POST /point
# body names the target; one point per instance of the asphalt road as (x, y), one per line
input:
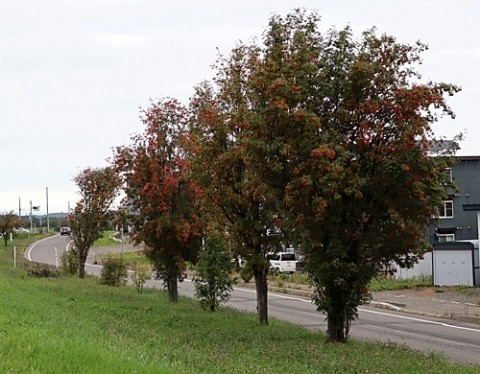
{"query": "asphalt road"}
(458, 341)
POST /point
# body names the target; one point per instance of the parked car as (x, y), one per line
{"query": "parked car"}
(283, 262)
(21, 230)
(65, 231)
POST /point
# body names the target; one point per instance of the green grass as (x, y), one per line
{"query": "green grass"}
(131, 258)
(380, 283)
(68, 325)
(387, 283)
(105, 240)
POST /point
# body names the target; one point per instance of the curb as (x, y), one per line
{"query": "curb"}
(454, 317)
(387, 306)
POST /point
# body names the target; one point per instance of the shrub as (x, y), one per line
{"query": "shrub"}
(212, 279)
(246, 273)
(141, 274)
(41, 270)
(70, 262)
(114, 272)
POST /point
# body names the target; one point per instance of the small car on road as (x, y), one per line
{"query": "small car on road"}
(65, 231)
(21, 230)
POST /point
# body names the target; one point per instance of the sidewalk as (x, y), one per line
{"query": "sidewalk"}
(433, 302)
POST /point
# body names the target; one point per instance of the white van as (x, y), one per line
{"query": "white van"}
(283, 262)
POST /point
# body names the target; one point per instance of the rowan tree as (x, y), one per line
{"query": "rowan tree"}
(228, 172)
(98, 189)
(8, 221)
(161, 198)
(241, 158)
(356, 122)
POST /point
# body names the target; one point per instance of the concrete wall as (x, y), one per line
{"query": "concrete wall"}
(422, 269)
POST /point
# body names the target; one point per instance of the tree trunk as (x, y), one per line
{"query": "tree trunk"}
(262, 295)
(338, 324)
(172, 281)
(81, 265)
(336, 332)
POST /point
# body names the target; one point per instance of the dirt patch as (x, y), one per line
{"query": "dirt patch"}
(420, 292)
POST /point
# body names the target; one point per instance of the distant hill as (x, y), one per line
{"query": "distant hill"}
(50, 215)
(57, 215)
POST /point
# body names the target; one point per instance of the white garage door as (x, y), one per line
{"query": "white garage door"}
(452, 267)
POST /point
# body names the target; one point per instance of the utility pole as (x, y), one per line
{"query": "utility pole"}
(48, 222)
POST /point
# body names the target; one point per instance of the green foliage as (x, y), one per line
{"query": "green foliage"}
(213, 281)
(70, 261)
(141, 274)
(114, 272)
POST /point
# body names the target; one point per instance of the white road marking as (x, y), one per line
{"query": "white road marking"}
(419, 320)
(34, 244)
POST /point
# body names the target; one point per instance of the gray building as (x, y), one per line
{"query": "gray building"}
(459, 214)
(454, 233)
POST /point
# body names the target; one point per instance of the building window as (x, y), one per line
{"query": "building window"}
(448, 175)
(446, 237)
(446, 209)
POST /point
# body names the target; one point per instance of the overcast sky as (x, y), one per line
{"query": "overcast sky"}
(75, 73)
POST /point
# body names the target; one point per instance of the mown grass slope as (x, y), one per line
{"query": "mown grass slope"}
(69, 325)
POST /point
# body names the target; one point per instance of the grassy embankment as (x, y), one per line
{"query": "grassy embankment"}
(68, 325)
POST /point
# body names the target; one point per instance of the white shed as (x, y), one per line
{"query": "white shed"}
(453, 264)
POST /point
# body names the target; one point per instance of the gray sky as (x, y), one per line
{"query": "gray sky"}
(74, 73)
